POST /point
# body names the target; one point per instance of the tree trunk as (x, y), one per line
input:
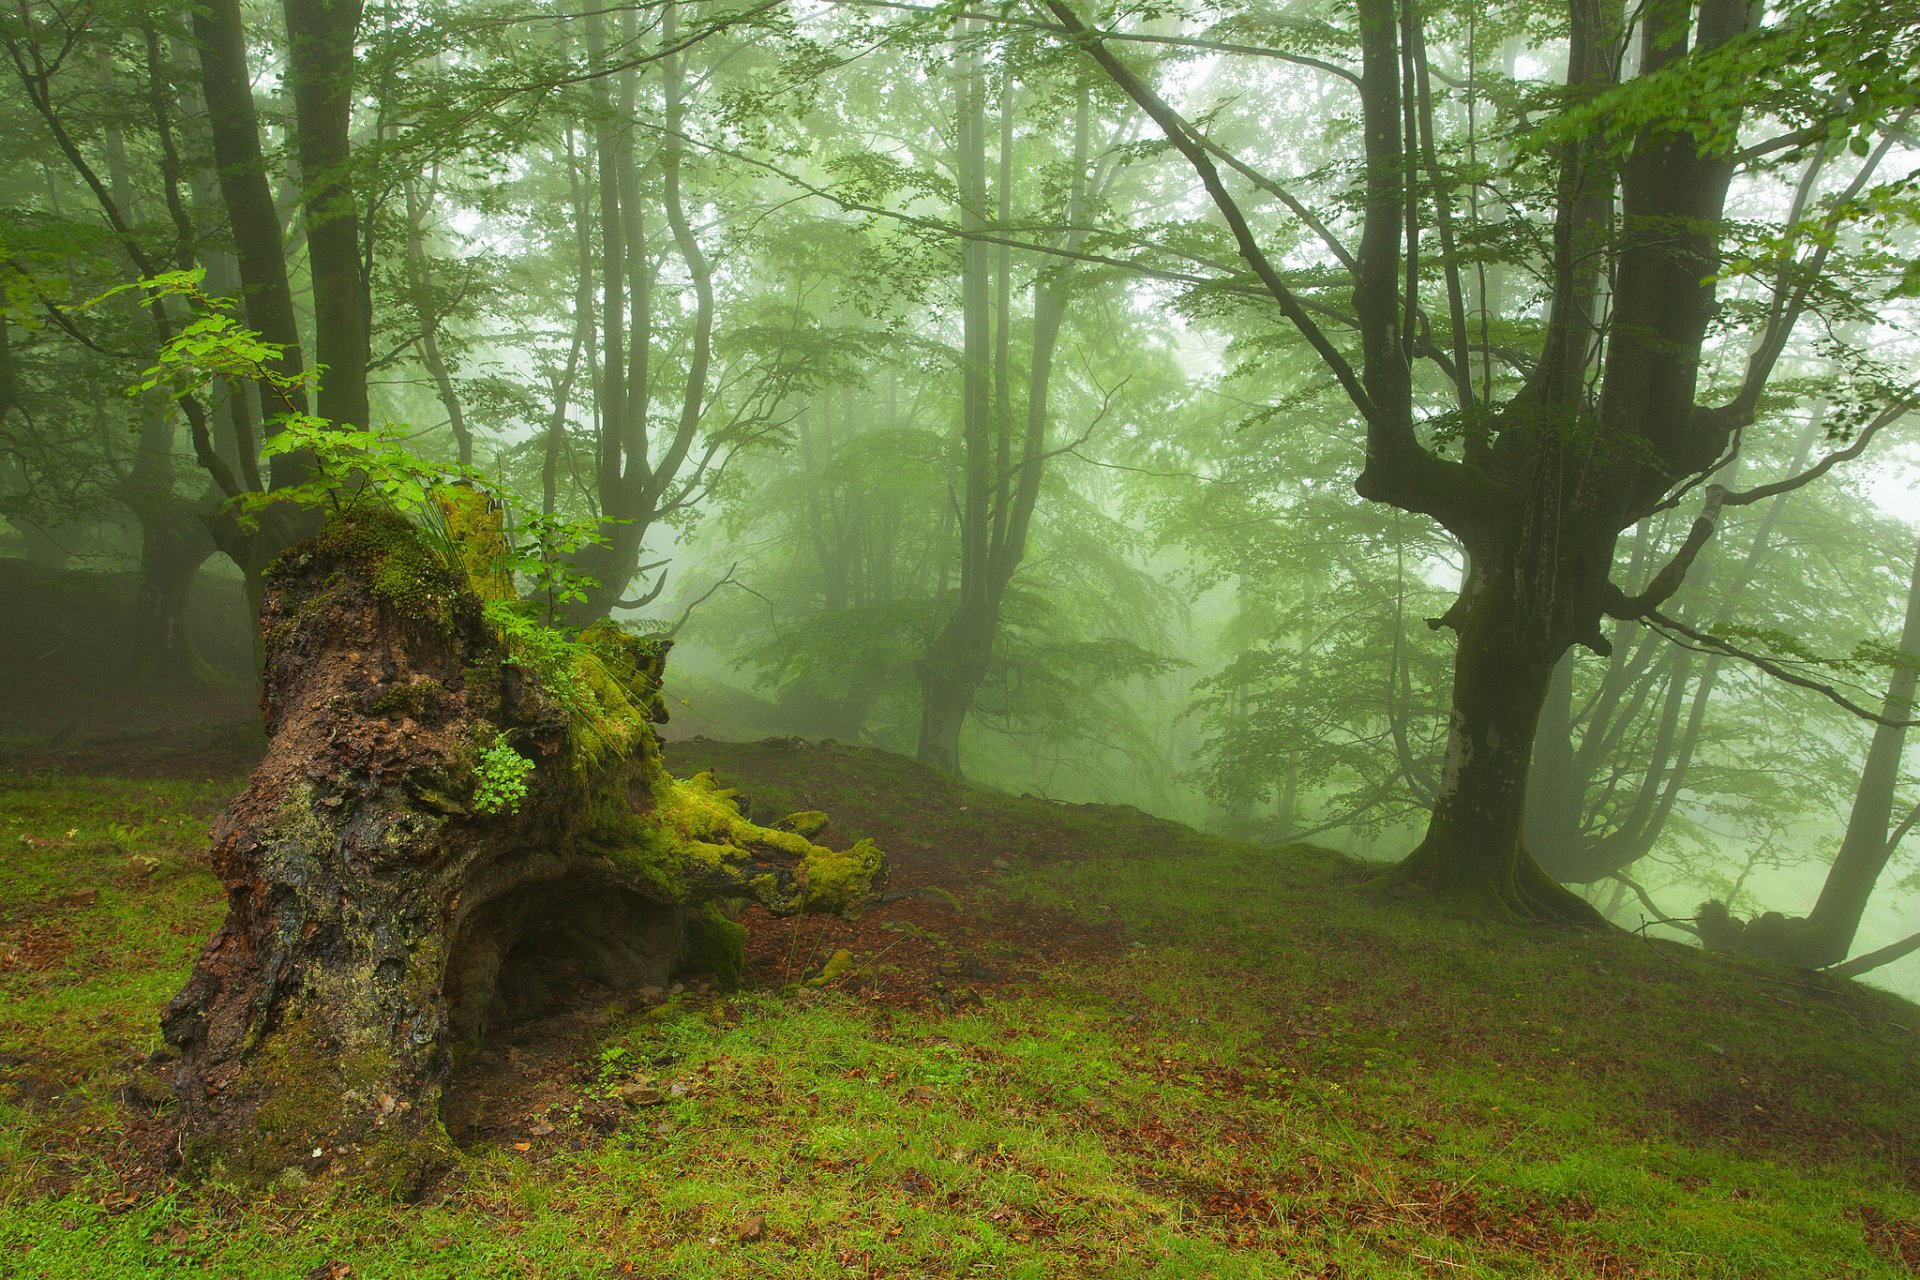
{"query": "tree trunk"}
(258, 234)
(171, 553)
(1825, 935)
(320, 71)
(950, 677)
(379, 916)
(1473, 846)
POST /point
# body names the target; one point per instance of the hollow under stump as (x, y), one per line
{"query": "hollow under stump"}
(394, 853)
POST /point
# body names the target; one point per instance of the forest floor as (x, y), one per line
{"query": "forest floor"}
(1132, 1050)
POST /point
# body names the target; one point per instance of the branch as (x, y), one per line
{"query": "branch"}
(1702, 642)
(1181, 136)
(726, 579)
(652, 594)
(1674, 572)
(1281, 194)
(1178, 42)
(1646, 900)
(1891, 414)
(1874, 959)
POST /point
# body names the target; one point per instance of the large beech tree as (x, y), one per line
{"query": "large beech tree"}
(1611, 418)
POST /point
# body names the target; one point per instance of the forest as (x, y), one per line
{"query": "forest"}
(803, 638)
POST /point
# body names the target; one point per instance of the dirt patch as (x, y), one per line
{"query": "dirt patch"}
(1894, 1237)
(34, 947)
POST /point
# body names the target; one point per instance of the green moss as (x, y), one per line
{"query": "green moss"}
(411, 699)
(716, 945)
(695, 836)
(838, 965)
(840, 881)
(808, 823)
(398, 565)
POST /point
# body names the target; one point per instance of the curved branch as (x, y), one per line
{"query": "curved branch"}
(1702, 642)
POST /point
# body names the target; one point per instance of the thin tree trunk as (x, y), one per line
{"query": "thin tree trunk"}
(1864, 851)
(234, 129)
(320, 67)
(420, 281)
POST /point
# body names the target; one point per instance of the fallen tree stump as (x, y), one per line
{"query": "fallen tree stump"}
(443, 802)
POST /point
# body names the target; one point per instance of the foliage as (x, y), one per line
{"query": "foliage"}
(500, 778)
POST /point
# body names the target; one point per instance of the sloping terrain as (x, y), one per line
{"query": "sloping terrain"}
(1076, 1041)
(1130, 1050)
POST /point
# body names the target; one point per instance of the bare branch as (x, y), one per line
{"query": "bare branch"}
(1874, 959)
(1179, 133)
(1646, 900)
(726, 579)
(1701, 642)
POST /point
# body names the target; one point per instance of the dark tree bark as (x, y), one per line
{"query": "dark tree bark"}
(374, 911)
(320, 71)
(234, 130)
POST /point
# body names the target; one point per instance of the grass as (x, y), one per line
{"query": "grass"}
(1269, 1071)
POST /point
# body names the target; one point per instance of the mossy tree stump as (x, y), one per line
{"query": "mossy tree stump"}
(374, 912)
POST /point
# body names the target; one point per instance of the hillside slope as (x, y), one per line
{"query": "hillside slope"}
(1131, 1050)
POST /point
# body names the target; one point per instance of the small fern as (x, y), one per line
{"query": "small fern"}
(500, 778)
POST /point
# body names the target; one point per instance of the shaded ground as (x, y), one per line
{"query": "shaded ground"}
(70, 701)
(1129, 1051)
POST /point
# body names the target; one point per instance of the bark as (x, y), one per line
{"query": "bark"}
(377, 918)
(173, 546)
(956, 661)
(950, 677)
(258, 233)
(1569, 842)
(1001, 491)
(642, 479)
(320, 71)
(1473, 846)
(426, 308)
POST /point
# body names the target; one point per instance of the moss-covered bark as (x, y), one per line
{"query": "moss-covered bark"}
(373, 904)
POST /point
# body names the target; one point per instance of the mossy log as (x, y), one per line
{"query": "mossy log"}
(374, 912)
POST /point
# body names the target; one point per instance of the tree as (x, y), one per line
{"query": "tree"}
(1614, 413)
(1825, 934)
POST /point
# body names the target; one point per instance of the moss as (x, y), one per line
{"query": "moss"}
(397, 564)
(716, 945)
(412, 699)
(307, 1084)
(841, 881)
(694, 842)
(838, 965)
(808, 823)
(475, 534)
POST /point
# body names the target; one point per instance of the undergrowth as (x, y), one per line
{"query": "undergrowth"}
(1270, 1073)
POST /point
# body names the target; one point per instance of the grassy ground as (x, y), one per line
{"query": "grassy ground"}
(1134, 1051)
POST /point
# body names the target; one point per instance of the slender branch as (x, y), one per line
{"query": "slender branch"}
(1181, 136)
(1674, 572)
(1646, 900)
(726, 579)
(1177, 42)
(1874, 959)
(1702, 642)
